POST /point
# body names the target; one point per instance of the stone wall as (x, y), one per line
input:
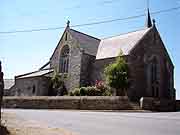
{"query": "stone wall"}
(84, 103)
(98, 69)
(148, 48)
(86, 69)
(75, 54)
(32, 86)
(177, 105)
(148, 103)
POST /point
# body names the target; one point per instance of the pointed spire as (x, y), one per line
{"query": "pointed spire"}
(154, 22)
(148, 19)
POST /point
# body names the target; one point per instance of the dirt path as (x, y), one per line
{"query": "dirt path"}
(18, 126)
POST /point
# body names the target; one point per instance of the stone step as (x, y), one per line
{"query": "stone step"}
(135, 106)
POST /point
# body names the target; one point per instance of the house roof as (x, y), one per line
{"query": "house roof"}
(8, 83)
(88, 43)
(110, 47)
(45, 66)
(35, 74)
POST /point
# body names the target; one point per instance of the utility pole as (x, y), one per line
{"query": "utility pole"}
(1, 89)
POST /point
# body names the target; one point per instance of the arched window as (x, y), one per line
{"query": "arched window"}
(64, 60)
(155, 78)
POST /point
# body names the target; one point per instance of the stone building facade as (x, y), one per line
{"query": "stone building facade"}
(82, 58)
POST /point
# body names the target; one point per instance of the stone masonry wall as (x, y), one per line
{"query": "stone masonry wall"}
(34, 86)
(98, 69)
(177, 105)
(150, 46)
(86, 69)
(149, 103)
(83, 103)
(73, 75)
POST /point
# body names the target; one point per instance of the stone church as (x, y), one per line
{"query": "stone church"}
(82, 58)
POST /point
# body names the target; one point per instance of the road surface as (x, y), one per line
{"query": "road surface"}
(104, 123)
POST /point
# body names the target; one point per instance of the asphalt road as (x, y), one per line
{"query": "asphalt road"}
(105, 123)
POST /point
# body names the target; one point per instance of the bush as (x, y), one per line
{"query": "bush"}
(107, 92)
(83, 91)
(93, 91)
(101, 86)
(98, 90)
(57, 84)
(76, 92)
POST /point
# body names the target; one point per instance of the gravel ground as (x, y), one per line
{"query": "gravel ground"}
(18, 126)
(77, 122)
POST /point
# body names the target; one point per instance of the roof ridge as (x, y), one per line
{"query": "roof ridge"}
(124, 33)
(25, 75)
(86, 34)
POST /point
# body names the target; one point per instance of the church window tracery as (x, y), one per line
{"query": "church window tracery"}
(64, 59)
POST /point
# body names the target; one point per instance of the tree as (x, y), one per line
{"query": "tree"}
(57, 83)
(116, 75)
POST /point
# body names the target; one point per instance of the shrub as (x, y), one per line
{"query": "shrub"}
(76, 92)
(57, 80)
(107, 92)
(101, 86)
(100, 90)
(83, 91)
(57, 84)
(71, 93)
(117, 75)
(93, 91)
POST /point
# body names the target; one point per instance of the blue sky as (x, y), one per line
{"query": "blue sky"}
(25, 52)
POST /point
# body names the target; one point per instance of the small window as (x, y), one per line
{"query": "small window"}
(66, 37)
(34, 89)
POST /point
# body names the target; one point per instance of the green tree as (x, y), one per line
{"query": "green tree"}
(117, 75)
(57, 84)
(56, 80)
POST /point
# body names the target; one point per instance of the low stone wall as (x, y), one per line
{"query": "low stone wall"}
(147, 103)
(69, 102)
(177, 105)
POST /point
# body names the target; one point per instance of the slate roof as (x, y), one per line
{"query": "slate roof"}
(8, 83)
(45, 66)
(88, 43)
(35, 74)
(110, 47)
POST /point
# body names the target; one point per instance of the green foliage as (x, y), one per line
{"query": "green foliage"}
(83, 91)
(57, 80)
(76, 92)
(117, 74)
(57, 84)
(107, 92)
(91, 91)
